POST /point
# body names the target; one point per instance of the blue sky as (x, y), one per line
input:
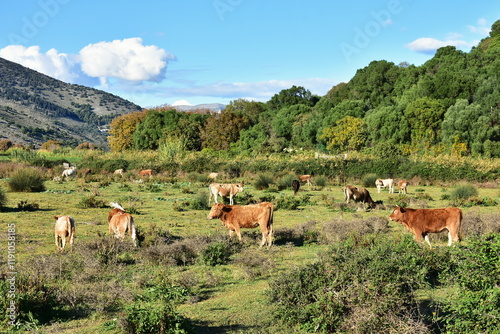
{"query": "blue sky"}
(157, 52)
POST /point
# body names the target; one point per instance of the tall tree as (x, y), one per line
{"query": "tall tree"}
(349, 134)
(292, 96)
(425, 116)
(121, 130)
(222, 129)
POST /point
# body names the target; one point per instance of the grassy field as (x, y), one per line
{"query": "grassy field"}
(232, 298)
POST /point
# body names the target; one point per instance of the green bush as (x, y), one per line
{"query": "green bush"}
(154, 312)
(320, 181)
(92, 202)
(216, 253)
(114, 164)
(26, 180)
(362, 285)
(285, 182)
(463, 192)
(3, 198)
(263, 181)
(475, 271)
(369, 180)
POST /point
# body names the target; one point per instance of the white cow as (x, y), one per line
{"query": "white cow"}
(389, 183)
(224, 190)
(70, 172)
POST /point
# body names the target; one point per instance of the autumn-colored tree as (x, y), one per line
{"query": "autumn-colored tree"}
(349, 134)
(5, 144)
(51, 145)
(122, 128)
(222, 129)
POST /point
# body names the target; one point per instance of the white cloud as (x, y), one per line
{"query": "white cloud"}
(481, 29)
(430, 45)
(126, 59)
(52, 63)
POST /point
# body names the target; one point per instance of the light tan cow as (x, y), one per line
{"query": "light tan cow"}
(236, 217)
(306, 179)
(402, 186)
(64, 231)
(383, 183)
(118, 172)
(224, 190)
(121, 222)
(213, 176)
(421, 222)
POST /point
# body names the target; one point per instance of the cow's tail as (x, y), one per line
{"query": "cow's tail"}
(131, 228)
(270, 227)
(459, 232)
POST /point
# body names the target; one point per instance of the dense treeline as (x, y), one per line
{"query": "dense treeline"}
(450, 104)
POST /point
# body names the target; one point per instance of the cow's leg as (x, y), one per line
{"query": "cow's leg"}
(231, 200)
(426, 238)
(265, 235)
(63, 242)
(57, 242)
(71, 239)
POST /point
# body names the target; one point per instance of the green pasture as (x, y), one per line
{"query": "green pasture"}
(235, 298)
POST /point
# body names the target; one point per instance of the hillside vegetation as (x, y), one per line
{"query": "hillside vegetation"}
(35, 108)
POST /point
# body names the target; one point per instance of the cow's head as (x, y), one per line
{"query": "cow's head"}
(397, 214)
(216, 211)
(379, 182)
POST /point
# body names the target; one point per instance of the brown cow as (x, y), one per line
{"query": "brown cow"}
(121, 222)
(403, 185)
(421, 222)
(235, 217)
(146, 172)
(64, 230)
(358, 195)
(306, 179)
(224, 190)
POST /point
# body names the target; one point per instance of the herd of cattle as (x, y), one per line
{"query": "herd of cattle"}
(420, 222)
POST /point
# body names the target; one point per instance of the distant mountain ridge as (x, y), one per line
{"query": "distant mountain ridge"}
(35, 108)
(218, 107)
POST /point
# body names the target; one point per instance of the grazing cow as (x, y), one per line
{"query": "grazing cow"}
(235, 217)
(146, 172)
(118, 172)
(70, 172)
(64, 231)
(358, 195)
(295, 186)
(121, 222)
(389, 183)
(305, 178)
(224, 190)
(402, 185)
(213, 176)
(65, 165)
(421, 222)
(86, 172)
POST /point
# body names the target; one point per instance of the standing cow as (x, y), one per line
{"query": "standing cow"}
(306, 179)
(224, 190)
(385, 183)
(421, 222)
(121, 222)
(236, 217)
(64, 231)
(402, 186)
(70, 172)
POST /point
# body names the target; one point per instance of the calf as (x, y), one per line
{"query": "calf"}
(146, 172)
(235, 217)
(421, 222)
(64, 231)
(389, 183)
(306, 179)
(358, 195)
(224, 190)
(402, 186)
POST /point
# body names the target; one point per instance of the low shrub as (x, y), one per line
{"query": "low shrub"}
(91, 202)
(285, 182)
(26, 180)
(369, 180)
(216, 253)
(263, 181)
(463, 192)
(27, 206)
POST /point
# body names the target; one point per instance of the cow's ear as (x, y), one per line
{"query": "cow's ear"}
(401, 209)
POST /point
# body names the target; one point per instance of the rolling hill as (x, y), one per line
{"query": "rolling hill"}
(35, 108)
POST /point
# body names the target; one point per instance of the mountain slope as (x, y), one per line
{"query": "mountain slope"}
(35, 108)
